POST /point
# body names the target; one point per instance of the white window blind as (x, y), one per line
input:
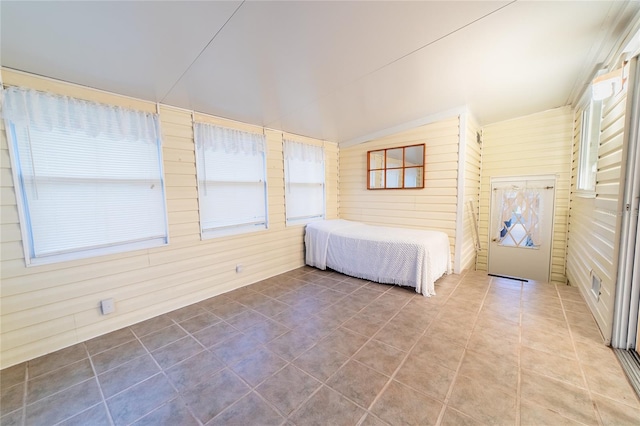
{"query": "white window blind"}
(304, 182)
(88, 176)
(232, 186)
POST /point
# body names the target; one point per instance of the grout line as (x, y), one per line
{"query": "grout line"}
(575, 351)
(95, 376)
(408, 351)
(519, 383)
(464, 354)
(25, 394)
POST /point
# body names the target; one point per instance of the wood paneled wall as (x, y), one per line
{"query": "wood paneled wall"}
(594, 222)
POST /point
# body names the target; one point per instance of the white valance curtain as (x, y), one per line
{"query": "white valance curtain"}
(229, 141)
(46, 111)
(231, 167)
(297, 151)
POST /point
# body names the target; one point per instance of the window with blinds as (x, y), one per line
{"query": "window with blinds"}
(88, 176)
(304, 182)
(232, 184)
(589, 143)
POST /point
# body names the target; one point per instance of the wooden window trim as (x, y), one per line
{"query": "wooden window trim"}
(402, 168)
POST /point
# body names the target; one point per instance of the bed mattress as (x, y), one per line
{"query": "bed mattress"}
(408, 257)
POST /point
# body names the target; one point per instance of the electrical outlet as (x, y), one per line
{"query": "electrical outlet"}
(107, 306)
(239, 268)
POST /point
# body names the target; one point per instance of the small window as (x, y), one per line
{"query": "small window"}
(396, 168)
(88, 177)
(589, 143)
(304, 182)
(232, 185)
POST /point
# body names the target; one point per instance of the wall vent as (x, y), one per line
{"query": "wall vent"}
(595, 285)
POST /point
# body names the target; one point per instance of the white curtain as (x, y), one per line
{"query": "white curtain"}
(518, 207)
(47, 111)
(304, 179)
(230, 141)
(232, 187)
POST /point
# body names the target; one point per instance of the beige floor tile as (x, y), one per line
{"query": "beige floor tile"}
(379, 356)
(249, 410)
(372, 420)
(401, 405)
(610, 381)
(258, 366)
(494, 344)
(594, 353)
(399, 337)
(446, 331)
(407, 319)
(365, 324)
(439, 351)
(288, 388)
(426, 376)
(556, 367)
(456, 418)
(358, 382)
(327, 407)
(614, 413)
(343, 341)
(485, 369)
(535, 323)
(587, 333)
(291, 344)
(533, 414)
(563, 398)
(321, 363)
(549, 342)
(482, 401)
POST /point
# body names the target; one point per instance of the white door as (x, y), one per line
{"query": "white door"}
(521, 227)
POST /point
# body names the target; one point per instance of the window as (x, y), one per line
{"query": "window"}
(232, 185)
(88, 176)
(304, 182)
(589, 142)
(396, 168)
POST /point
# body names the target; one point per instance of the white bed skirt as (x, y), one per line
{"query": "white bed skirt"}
(409, 257)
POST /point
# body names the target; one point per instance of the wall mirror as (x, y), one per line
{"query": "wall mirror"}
(396, 168)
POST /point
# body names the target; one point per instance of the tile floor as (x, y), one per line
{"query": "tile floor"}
(319, 348)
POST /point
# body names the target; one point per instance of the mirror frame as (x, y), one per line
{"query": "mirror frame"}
(401, 168)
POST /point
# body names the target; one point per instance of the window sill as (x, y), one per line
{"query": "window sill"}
(585, 194)
(232, 231)
(104, 251)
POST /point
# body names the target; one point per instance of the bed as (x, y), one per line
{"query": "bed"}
(408, 257)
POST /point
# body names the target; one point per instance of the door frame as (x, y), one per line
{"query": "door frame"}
(626, 310)
(502, 179)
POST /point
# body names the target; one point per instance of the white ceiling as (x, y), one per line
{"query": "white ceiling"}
(341, 71)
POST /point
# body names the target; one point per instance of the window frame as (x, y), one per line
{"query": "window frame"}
(303, 220)
(24, 213)
(402, 169)
(590, 133)
(236, 229)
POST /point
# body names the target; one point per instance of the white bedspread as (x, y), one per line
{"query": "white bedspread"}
(410, 257)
